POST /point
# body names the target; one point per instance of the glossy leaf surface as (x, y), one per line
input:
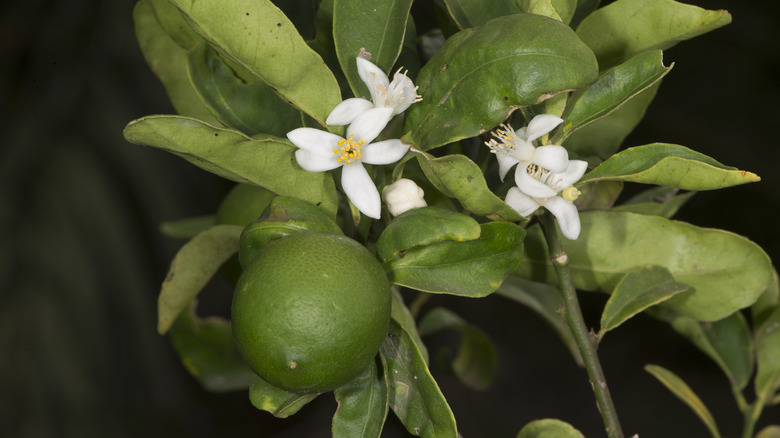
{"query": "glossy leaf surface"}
(362, 405)
(414, 395)
(471, 13)
(251, 107)
(276, 401)
(725, 272)
(481, 75)
(639, 289)
(476, 362)
(684, 392)
(377, 27)
(458, 177)
(192, 267)
(668, 165)
(256, 35)
(205, 347)
(266, 161)
(617, 32)
(425, 226)
(474, 268)
(612, 90)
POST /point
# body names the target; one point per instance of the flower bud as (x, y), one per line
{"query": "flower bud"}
(403, 195)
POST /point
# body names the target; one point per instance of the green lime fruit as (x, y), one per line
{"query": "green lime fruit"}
(310, 311)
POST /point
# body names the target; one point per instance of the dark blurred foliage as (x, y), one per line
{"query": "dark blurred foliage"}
(81, 258)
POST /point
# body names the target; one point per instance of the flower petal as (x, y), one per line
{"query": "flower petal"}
(314, 140)
(530, 185)
(542, 124)
(374, 78)
(360, 190)
(402, 93)
(573, 173)
(504, 164)
(522, 203)
(369, 124)
(567, 216)
(345, 112)
(315, 162)
(553, 158)
(384, 152)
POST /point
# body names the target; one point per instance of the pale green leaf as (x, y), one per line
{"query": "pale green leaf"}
(362, 405)
(549, 428)
(472, 13)
(275, 400)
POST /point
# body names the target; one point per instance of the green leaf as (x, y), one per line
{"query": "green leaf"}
(639, 289)
(476, 362)
(205, 347)
(458, 177)
(168, 61)
(414, 395)
(378, 28)
(192, 267)
(474, 268)
(257, 36)
(767, 381)
(725, 272)
(728, 342)
(612, 90)
(174, 25)
(769, 299)
(186, 228)
(277, 401)
(549, 428)
(583, 9)
(680, 389)
(472, 13)
(599, 195)
(626, 27)
(424, 226)
(668, 165)
(362, 405)
(401, 314)
(604, 137)
(547, 302)
(561, 10)
(657, 201)
(265, 161)
(250, 107)
(772, 431)
(482, 75)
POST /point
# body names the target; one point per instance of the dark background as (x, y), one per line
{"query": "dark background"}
(81, 258)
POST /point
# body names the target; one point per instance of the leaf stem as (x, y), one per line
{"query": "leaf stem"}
(586, 342)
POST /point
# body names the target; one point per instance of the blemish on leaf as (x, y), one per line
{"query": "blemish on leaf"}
(443, 68)
(278, 24)
(444, 99)
(506, 97)
(216, 134)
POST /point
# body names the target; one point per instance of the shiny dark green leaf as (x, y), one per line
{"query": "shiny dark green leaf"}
(639, 289)
(611, 91)
(192, 267)
(205, 347)
(265, 161)
(258, 37)
(668, 165)
(626, 27)
(728, 342)
(458, 177)
(725, 272)
(482, 74)
(403, 316)
(476, 362)
(362, 405)
(250, 107)
(276, 401)
(414, 395)
(424, 226)
(378, 28)
(472, 13)
(473, 268)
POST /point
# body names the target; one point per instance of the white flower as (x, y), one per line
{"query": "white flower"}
(320, 151)
(397, 95)
(403, 195)
(560, 206)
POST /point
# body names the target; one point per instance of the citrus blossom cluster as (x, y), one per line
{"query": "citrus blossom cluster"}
(542, 173)
(320, 151)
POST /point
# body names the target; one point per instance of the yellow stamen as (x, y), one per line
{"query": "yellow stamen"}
(349, 149)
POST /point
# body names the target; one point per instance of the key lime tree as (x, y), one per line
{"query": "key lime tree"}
(385, 152)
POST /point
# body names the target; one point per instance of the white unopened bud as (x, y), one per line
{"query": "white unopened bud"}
(403, 195)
